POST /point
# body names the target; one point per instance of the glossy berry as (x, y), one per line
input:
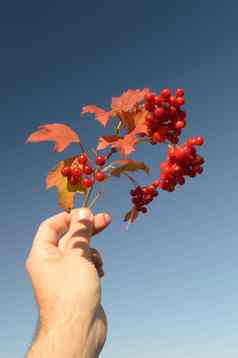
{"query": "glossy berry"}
(73, 180)
(100, 176)
(180, 101)
(158, 101)
(199, 140)
(83, 158)
(87, 182)
(76, 172)
(66, 171)
(149, 97)
(87, 169)
(100, 160)
(143, 210)
(165, 93)
(179, 92)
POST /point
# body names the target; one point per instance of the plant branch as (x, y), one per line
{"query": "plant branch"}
(93, 202)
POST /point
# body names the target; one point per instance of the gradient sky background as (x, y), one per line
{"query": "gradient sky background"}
(170, 287)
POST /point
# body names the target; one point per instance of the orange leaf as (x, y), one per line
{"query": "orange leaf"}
(101, 115)
(105, 141)
(127, 145)
(66, 191)
(131, 215)
(128, 99)
(61, 134)
(128, 166)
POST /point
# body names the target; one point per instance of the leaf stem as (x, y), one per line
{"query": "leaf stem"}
(113, 150)
(86, 198)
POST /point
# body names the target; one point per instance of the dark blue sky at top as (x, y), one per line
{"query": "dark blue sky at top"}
(170, 287)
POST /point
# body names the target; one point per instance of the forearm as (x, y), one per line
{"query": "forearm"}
(62, 342)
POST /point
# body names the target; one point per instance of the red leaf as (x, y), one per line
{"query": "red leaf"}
(127, 145)
(105, 141)
(61, 134)
(101, 115)
(128, 99)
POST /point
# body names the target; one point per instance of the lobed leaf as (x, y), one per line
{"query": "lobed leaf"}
(128, 99)
(105, 141)
(101, 115)
(61, 134)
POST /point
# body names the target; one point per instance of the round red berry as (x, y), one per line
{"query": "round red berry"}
(158, 101)
(180, 124)
(143, 210)
(83, 158)
(179, 92)
(172, 100)
(76, 172)
(180, 101)
(73, 180)
(66, 171)
(87, 182)
(100, 160)
(87, 169)
(199, 140)
(149, 97)
(100, 176)
(165, 93)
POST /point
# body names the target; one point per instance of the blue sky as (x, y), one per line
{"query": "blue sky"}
(170, 285)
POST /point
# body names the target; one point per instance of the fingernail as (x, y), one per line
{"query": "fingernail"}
(85, 214)
(107, 218)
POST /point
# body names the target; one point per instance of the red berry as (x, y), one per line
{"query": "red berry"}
(157, 137)
(159, 112)
(191, 141)
(66, 171)
(143, 210)
(87, 169)
(172, 100)
(73, 180)
(156, 183)
(87, 182)
(179, 92)
(158, 101)
(149, 106)
(76, 172)
(180, 101)
(100, 160)
(180, 124)
(181, 180)
(149, 97)
(165, 93)
(83, 158)
(100, 176)
(199, 140)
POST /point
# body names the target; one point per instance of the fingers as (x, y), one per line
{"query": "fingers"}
(51, 229)
(101, 221)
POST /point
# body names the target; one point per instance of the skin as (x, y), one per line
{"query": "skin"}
(65, 274)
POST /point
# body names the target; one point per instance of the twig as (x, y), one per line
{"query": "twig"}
(86, 198)
(131, 179)
(113, 150)
(93, 202)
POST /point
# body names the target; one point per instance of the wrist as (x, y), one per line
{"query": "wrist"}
(63, 340)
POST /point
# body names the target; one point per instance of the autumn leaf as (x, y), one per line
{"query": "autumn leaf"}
(128, 100)
(66, 191)
(128, 166)
(126, 145)
(131, 215)
(61, 134)
(101, 115)
(105, 141)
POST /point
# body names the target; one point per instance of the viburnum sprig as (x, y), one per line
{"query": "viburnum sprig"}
(146, 117)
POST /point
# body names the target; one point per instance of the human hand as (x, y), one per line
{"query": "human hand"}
(65, 274)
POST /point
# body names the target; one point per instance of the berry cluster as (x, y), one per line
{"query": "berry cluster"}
(182, 160)
(165, 118)
(142, 196)
(79, 173)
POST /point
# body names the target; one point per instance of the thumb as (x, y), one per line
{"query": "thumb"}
(80, 231)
